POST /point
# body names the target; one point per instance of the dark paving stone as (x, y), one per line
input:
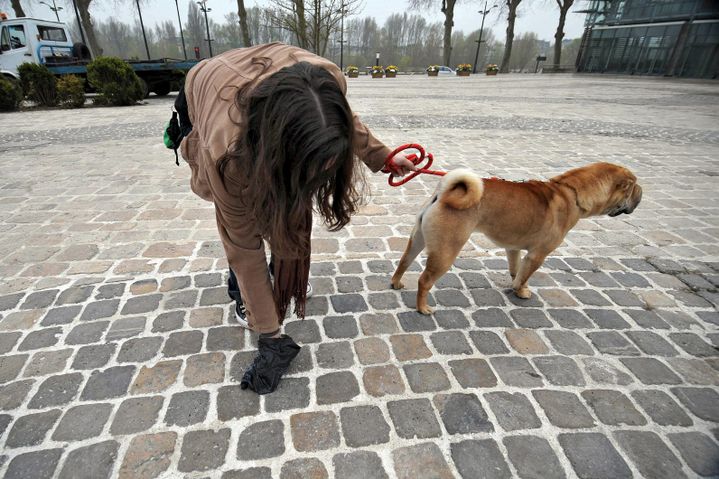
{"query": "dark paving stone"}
(249, 473)
(412, 321)
(10, 366)
(9, 301)
(42, 338)
(142, 304)
(56, 391)
(314, 431)
(568, 342)
(678, 319)
(233, 403)
(631, 280)
(488, 342)
(479, 459)
(698, 450)
(8, 341)
(349, 284)
(112, 382)
(340, 327)
(624, 298)
(350, 267)
(647, 319)
(90, 462)
(82, 422)
(462, 413)
(473, 373)
(318, 306)
(694, 345)
(225, 338)
(136, 415)
(423, 461)
(607, 319)
(702, 402)
(241, 361)
(563, 409)
(100, 309)
(426, 377)
(109, 291)
(513, 411)
(451, 298)
(5, 420)
(651, 371)
(380, 266)
(373, 324)
(592, 455)
(12, 395)
(139, 350)
(363, 426)
(182, 299)
(484, 297)
(336, 387)
(611, 342)
(450, 343)
(93, 357)
(358, 465)
(559, 370)
(662, 408)
(125, 328)
(491, 318)
(261, 440)
(651, 343)
(637, 264)
(302, 362)
(47, 362)
(649, 454)
(613, 407)
(605, 372)
(590, 297)
(187, 408)
(74, 295)
(208, 280)
(532, 456)
(203, 450)
(31, 430)
(414, 418)
(303, 332)
(348, 303)
(336, 355)
(182, 343)
(292, 393)
(168, 321)
(599, 279)
(62, 315)
(567, 279)
(451, 319)
(569, 318)
(530, 318)
(35, 464)
(516, 371)
(302, 468)
(39, 299)
(383, 301)
(87, 333)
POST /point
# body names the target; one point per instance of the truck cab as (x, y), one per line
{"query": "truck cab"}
(31, 40)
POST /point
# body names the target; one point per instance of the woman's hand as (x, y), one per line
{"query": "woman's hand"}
(402, 165)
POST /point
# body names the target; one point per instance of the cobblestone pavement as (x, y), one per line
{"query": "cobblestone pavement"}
(120, 357)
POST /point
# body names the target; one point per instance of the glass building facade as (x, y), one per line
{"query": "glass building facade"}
(651, 37)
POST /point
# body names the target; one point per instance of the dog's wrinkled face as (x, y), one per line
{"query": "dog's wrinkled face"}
(624, 194)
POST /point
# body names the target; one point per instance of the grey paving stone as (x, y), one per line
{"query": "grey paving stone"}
(261, 440)
(515, 371)
(136, 415)
(10, 366)
(336, 387)
(139, 349)
(651, 343)
(241, 361)
(426, 377)
(8, 341)
(702, 402)
(513, 411)
(462, 413)
(87, 333)
(373, 324)
(82, 422)
(348, 303)
(412, 321)
(41, 338)
(592, 455)
(38, 464)
(181, 299)
(350, 267)
(451, 319)
(303, 332)
(649, 454)
(473, 373)
(93, 357)
(611, 342)
(109, 291)
(61, 315)
(13, 394)
(358, 465)
(651, 371)
(125, 328)
(225, 338)
(380, 266)
(598, 279)
(488, 342)
(182, 343)
(607, 319)
(479, 459)
(187, 408)
(74, 295)
(112, 382)
(604, 372)
(5, 420)
(100, 309)
(363, 426)
(475, 280)
(532, 456)
(383, 301)
(302, 362)
(249, 473)
(569, 318)
(484, 297)
(292, 393)
(9, 301)
(349, 284)
(694, 345)
(208, 280)
(44, 363)
(451, 298)
(56, 391)
(559, 370)
(567, 279)
(39, 299)
(590, 297)
(168, 321)
(530, 318)
(414, 418)
(303, 467)
(337, 355)
(90, 462)
(563, 409)
(30, 430)
(422, 461)
(490, 318)
(630, 280)
(624, 298)
(142, 304)
(568, 342)
(647, 319)
(698, 450)
(203, 450)
(233, 403)
(340, 327)
(661, 408)
(450, 343)
(314, 431)
(613, 407)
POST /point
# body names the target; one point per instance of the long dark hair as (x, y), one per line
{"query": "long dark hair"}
(296, 148)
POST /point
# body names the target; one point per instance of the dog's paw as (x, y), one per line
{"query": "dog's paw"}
(425, 310)
(523, 293)
(397, 284)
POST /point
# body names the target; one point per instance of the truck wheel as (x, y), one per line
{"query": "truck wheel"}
(162, 89)
(81, 52)
(145, 88)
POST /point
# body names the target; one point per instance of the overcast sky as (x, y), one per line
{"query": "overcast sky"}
(538, 16)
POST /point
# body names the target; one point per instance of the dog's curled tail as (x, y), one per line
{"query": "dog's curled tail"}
(461, 189)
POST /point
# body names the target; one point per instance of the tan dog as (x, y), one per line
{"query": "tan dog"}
(534, 216)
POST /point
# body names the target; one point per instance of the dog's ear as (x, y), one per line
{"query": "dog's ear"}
(589, 189)
(625, 184)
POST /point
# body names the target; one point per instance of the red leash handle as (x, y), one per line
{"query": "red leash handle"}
(417, 160)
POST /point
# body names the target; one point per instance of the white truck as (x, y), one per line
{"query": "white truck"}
(31, 40)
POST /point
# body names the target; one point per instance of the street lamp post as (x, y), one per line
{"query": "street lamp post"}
(54, 8)
(182, 36)
(481, 29)
(142, 26)
(342, 12)
(377, 59)
(204, 9)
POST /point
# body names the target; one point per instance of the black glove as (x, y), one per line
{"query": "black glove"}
(273, 358)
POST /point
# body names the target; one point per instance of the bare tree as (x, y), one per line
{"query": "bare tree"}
(242, 13)
(447, 9)
(17, 8)
(83, 6)
(511, 17)
(564, 6)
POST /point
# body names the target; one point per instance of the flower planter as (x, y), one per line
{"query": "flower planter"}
(391, 74)
(463, 74)
(377, 75)
(433, 74)
(492, 73)
(353, 74)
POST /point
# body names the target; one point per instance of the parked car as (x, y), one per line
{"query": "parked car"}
(443, 70)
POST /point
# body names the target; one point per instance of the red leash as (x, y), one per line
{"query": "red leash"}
(392, 169)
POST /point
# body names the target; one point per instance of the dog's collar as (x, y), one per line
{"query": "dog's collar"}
(574, 190)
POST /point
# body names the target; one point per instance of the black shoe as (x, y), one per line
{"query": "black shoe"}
(272, 361)
(241, 314)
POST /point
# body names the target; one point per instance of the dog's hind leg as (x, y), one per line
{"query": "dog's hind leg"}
(530, 263)
(513, 257)
(415, 245)
(438, 263)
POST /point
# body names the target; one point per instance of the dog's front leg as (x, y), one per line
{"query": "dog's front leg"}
(414, 246)
(530, 263)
